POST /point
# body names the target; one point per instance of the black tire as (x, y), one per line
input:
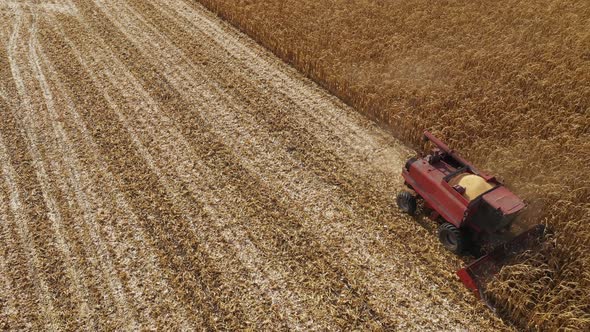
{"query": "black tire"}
(451, 238)
(406, 202)
(410, 162)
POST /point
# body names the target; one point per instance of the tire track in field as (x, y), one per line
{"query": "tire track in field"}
(159, 217)
(20, 274)
(81, 300)
(75, 182)
(149, 271)
(60, 228)
(184, 207)
(47, 306)
(111, 104)
(78, 181)
(34, 64)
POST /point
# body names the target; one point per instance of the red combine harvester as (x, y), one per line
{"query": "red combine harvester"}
(474, 210)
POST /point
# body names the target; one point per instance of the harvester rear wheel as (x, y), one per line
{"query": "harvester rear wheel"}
(451, 238)
(406, 202)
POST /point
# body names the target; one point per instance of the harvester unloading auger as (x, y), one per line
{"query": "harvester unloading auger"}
(474, 211)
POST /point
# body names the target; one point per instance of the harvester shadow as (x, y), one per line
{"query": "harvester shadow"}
(472, 253)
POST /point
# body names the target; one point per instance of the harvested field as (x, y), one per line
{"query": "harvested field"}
(506, 82)
(160, 170)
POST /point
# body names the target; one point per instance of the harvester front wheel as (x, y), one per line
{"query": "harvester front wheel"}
(451, 238)
(406, 202)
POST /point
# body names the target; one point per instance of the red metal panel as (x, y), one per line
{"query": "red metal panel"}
(428, 181)
(468, 281)
(503, 199)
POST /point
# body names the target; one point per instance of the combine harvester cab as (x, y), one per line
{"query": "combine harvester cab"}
(474, 211)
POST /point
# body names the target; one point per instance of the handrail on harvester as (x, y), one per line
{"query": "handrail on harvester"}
(445, 148)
